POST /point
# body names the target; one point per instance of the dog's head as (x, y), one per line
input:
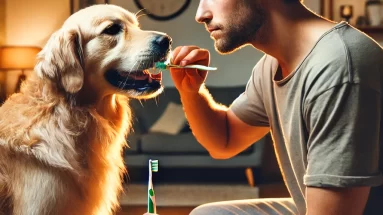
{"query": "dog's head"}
(101, 49)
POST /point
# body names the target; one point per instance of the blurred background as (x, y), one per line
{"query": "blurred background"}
(26, 25)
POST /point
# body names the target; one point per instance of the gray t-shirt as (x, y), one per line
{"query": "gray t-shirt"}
(325, 117)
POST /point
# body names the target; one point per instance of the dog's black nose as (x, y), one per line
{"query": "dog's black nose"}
(164, 42)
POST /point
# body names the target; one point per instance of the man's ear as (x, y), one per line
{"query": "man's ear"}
(62, 60)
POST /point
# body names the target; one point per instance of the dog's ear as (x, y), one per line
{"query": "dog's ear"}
(62, 60)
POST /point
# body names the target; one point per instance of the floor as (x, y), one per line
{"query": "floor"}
(266, 191)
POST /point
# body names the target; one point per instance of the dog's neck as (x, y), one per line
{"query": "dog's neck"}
(108, 106)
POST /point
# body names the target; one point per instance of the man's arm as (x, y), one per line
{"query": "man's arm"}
(335, 201)
(216, 127)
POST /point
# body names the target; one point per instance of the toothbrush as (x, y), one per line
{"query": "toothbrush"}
(166, 65)
(152, 207)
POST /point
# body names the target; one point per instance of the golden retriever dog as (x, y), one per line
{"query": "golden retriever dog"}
(62, 136)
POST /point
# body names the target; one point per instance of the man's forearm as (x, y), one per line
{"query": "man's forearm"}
(207, 120)
(334, 201)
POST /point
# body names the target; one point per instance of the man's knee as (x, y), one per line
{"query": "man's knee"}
(206, 209)
(247, 206)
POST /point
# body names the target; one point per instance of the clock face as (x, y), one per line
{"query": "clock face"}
(162, 9)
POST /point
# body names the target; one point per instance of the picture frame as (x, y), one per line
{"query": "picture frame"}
(76, 5)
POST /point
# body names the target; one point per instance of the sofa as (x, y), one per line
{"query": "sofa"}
(180, 149)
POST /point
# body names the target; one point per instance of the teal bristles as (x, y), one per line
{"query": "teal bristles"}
(161, 65)
(152, 206)
(167, 65)
(154, 165)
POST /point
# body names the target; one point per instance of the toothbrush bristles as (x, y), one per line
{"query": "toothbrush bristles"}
(154, 165)
(160, 65)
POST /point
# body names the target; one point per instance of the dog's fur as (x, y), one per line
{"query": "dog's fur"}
(62, 136)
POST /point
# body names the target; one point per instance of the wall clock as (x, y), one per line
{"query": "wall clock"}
(162, 9)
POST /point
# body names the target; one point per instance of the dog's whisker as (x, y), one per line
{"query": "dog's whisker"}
(138, 17)
(142, 105)
(155, 99)
(133, 68)
(124, 83)
(139, 12)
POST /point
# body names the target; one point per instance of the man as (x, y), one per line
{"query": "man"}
(317, 89)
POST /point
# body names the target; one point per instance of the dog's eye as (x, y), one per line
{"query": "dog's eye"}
(112, 29)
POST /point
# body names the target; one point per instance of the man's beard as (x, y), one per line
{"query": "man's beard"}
(240, 33)
(234, 39)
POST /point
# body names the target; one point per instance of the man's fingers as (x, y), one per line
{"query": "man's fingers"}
(175, 53)
(202, 73)
(199, 75)
(194, 77)
(178, 73)
(196, 55)
(180, 53)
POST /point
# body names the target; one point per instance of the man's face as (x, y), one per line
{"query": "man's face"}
(231, 23)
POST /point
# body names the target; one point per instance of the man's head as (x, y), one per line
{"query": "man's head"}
(235, 23)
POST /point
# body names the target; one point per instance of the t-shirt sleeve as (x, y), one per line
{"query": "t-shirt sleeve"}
(249, 106)
(343, 145)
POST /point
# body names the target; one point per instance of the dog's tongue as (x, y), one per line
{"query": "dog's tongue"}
(139, 76)
(147, 76)
(157, 76)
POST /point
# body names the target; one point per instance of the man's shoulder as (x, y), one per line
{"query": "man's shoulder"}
(345, 43)
(345, 55)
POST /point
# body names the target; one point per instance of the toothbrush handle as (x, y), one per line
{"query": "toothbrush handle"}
(200, 67)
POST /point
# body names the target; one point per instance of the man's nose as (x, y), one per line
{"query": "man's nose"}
(203, 13)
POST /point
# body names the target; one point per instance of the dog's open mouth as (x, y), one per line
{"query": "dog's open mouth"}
(141, 81)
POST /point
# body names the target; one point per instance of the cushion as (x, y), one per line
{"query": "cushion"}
(171, 121)
(184, 143)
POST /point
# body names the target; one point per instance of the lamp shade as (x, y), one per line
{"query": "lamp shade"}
(18, 57)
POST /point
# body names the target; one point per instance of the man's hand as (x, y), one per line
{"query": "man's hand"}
(189, 80)
(336, 201)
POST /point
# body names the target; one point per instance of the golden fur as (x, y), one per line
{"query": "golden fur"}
(62, 136)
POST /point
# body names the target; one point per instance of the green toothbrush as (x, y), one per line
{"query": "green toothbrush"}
(167, 65)
(152, 207)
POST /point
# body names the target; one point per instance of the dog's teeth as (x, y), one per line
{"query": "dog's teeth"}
(154, 70)
(151, 70)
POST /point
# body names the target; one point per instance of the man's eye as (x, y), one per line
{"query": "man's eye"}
(112, 29)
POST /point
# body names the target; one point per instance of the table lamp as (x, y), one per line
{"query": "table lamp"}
(18, 58)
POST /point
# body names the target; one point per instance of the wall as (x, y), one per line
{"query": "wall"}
(31, 22)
